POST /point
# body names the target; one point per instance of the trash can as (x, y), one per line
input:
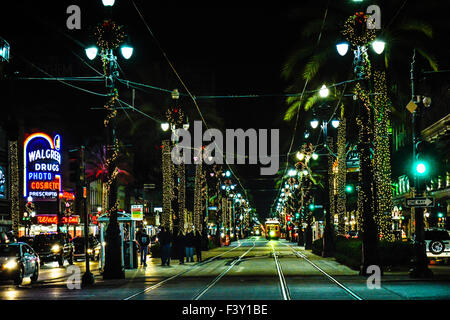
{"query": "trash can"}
(134, 252)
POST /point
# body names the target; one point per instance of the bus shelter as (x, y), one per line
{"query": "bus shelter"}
(127, 227)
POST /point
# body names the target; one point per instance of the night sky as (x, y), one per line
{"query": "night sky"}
(241, 47)
(217, 48)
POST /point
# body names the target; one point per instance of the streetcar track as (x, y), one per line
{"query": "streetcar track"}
(283, 285)
(159, 284)
(346, 289)
(222, 274)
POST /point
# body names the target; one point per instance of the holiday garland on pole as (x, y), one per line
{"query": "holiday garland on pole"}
(14, 193)
(382, 157)
(198, 198)
(341, 176)
(168, 184)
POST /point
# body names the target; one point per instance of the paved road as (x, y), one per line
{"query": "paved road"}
(250, 269)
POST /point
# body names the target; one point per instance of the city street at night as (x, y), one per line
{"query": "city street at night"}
(251, 269)
(225, 160)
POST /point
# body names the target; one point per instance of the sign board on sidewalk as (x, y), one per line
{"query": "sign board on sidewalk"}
(137, 212)
(420, 202)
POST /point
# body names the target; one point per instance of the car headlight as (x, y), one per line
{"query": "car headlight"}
(55, 248)
(11, 264)
(89, 250)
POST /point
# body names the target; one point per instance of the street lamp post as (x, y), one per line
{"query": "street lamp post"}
(358, 39)
(328, 235)
(420, 268)
(88, 278)
(113, 268)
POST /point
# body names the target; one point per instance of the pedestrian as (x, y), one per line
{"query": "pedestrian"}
(144, 240)
(190, 245)
(165, 240)
(181, 244)
(198, 246)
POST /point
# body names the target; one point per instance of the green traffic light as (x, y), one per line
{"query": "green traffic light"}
(349, 188)
(440, 215)
(421, 168)
(311, 206)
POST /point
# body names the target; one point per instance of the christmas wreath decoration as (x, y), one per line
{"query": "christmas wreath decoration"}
(109, 35)
(356, 31)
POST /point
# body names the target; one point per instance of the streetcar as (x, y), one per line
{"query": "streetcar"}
(272, 229)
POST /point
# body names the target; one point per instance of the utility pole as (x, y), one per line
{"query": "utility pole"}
(113, 249)
(420, 268)
(88, 277)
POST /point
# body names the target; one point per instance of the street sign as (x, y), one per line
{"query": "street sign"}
(411, 107)
(420, 202)
(137, 212)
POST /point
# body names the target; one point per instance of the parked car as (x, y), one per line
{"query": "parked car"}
(18, 260)
(54, 247)
(94, 248)
(437, 243)
(26, 239)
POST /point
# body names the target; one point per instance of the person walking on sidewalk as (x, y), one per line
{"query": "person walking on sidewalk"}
(198, 246)
(165, 239)
(180, 245)
(190, 245)
(143, 240)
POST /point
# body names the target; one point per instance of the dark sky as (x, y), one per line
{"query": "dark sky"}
(242, 45)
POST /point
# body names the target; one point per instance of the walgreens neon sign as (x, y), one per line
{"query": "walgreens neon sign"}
(42, 166)
(54, 220)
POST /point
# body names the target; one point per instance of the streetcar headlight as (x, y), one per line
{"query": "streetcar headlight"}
(55, 248)
(11, 264)
(272, 233)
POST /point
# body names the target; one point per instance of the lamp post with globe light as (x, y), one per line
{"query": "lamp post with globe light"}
(358, 36)
(110, 37)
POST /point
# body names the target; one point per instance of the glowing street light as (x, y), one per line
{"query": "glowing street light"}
(91, 52)
(342, 48)
(165, 126)
(378, 46)
(108, 3)
(315, 156)
(300, 155)
(335, 123)
(127, 51)
(323, 92)
(314, 123)
(292, 173)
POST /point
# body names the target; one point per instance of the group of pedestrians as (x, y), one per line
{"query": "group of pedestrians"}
(183, 245)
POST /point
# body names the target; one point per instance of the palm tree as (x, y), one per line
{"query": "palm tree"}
(315, 62)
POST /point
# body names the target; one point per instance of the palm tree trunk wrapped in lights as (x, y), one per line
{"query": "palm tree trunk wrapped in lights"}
(224, 214)
(328, 237)
(14, 173)
(198, 198)
(341, 176)
(181, 174)
(168, 185)
(382, 157)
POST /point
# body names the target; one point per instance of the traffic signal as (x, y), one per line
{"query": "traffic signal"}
(349, 188)
(76, 166)
(311, 206)
(421, 162)
(297, 215)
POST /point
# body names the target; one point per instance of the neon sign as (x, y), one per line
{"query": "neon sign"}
(2, 183)
(54, 220)
(42, 166)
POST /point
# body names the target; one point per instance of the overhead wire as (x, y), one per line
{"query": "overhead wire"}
(185, 87)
